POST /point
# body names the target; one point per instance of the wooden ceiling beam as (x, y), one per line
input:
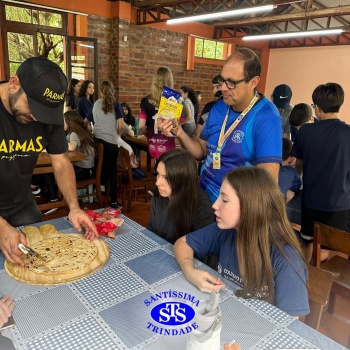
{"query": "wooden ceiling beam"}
(231, 5)
(334, 11)
(155, 3)
(309, 4)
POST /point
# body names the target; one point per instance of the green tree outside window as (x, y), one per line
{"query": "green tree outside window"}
(209, 49)
(22, 46)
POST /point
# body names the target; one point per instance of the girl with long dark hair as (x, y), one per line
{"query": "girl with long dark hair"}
(129, 118)
(86, 99)
(179, 205)
(73, 94)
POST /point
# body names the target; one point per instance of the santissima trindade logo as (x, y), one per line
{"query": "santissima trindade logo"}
(172, 312)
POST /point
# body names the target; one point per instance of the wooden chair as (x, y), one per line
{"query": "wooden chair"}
(340, 267)
(132, 188)
(94, 182)
(319, 287)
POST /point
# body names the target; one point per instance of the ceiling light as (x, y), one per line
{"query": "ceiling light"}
(293, 34)
(84, 45)
(236, 12)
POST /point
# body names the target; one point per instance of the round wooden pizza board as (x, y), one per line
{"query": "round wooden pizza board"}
(34, 234)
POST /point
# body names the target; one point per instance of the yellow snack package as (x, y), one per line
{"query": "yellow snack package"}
(170, 107)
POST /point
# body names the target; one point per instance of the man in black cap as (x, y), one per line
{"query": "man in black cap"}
(31, 120)
(281, 96)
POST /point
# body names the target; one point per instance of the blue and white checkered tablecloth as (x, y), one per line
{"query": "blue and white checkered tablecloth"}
(107, 310)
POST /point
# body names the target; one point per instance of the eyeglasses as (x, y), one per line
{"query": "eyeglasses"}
(231, 84)
(313, 105)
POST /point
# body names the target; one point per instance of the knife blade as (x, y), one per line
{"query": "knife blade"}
(28, 250)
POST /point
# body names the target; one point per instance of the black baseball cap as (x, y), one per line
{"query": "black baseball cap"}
(281, 96)
(45, 85)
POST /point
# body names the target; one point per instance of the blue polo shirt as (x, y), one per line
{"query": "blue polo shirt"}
(256, 139)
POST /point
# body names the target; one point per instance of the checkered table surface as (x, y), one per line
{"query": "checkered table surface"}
(107, 310)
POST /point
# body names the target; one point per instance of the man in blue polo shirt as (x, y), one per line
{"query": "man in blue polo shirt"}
(244, 129)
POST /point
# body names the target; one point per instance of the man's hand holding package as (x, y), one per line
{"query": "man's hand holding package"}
(166, 126)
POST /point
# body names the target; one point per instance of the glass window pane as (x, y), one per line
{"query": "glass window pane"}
(13, 68)
(219, 51)
(51, 47)
(18, 14)
(50, 19)
(35, 16)
(82, 53)
(209, 49)
(20, 46)
(198, 51)
(86, 74)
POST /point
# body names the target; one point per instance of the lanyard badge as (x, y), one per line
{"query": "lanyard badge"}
(224, 135)
(216, 160)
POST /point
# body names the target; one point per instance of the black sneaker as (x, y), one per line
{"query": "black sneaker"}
(116, 205)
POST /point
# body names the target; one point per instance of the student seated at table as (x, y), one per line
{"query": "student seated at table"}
(256, 246)
(179, 205)
(129, 119)
(80, 139)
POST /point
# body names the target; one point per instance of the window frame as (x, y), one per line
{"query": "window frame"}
(192, 59)
(224, 53)
(27, 29)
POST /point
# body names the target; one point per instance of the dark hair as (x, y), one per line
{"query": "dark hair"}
(182, 174)
(75, 123)
(71, 86)
(252, 65)
(300, 114)
(198, 92)
(286, 148)
(191, 94)
(216, 79)
(129, 118)
(84, 87)
(328, 97)
(263, 225)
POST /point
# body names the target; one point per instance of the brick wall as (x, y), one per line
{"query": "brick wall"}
(130, 64)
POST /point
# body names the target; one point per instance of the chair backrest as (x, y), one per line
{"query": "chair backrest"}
(319, 286)
(330, 237)
(127, 169)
